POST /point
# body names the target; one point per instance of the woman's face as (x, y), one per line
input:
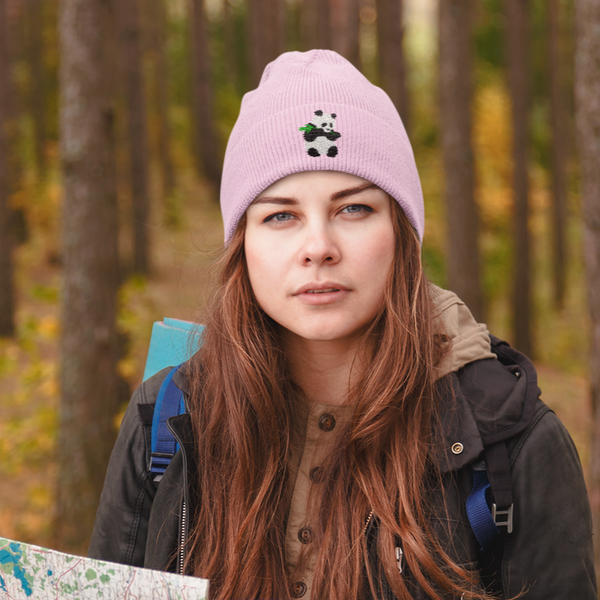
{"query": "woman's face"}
(319, 247)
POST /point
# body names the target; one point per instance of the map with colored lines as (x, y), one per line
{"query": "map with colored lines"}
(33, 573)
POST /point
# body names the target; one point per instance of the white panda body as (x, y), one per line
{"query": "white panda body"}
(321, 145)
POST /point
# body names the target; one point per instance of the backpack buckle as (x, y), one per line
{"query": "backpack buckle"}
(159, 461)
(507, 522)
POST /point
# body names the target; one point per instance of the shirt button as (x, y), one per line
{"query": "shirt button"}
(326, 422)
(305, 535)
(316, 474)
(299, 589)
(457, 448)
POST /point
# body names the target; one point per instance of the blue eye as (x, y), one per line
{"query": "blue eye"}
(354, 209)
(274, 218)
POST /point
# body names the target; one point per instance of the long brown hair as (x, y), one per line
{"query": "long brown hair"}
(241, 407)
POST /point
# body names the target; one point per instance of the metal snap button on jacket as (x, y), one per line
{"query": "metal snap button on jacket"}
(326, 422)
(299, 589)
(305, 535)
(316, 474)
(457, 448)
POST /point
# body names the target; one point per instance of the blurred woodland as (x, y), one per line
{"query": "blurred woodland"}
(114, 117)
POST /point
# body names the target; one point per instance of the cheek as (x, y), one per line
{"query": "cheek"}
(265, 271)
(256, 268)
(377, 256)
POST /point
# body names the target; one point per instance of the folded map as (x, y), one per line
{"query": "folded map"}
(35, 573)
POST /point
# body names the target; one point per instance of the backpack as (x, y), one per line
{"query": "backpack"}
(489, 506)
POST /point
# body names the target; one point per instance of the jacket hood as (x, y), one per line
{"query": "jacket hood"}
(469, 340)
(485, 402)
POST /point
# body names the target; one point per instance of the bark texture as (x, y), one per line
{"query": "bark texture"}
(517, 42)
(14, 105)
(345, 29)
(208, 153)
(162, 100)
(131, 47)
(587, 113)
(315, 25)
(37, 89)
(266, 35)
(353, 35)
(455, 92)
(558, 120)
(392, 64)
(7, 300)
(88, 345)
(231, 70)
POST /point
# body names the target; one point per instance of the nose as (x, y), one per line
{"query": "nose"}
(319, 247)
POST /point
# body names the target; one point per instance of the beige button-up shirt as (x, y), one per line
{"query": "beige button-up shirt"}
(319, 429)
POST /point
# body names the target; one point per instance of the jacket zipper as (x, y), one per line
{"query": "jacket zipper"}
(182, 537)
(368, 521)
(398, 552)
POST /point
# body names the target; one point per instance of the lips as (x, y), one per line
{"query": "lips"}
(321, 288)
(321, 291)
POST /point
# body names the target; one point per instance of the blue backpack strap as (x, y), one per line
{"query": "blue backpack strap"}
(478, 510)
(169, 402)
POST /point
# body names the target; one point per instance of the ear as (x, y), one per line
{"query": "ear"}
(333, 115)
(319, 113)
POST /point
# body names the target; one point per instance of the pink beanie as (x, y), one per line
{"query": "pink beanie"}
(315, 111)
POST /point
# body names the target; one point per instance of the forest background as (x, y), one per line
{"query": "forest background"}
(504, 211)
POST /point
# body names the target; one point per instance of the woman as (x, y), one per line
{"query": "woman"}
(340, 406)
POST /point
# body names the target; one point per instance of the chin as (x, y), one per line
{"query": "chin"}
(327, 334)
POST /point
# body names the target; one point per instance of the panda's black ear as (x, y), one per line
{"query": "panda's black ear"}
(333, 115)
(319, 113)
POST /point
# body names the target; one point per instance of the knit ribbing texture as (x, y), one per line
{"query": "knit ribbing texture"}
(315, 111)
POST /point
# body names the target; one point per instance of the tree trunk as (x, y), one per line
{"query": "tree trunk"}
(455, 91)
(7, 303)
(345, 29)
(587, 112)
(392, 66)
(353, 10)
(88, 345)
(208, 154)
(14, 105)
(315, 25)
(266, 35)
(517, 23)
(339, 26)
(162, 102)
(558, 120)
(37, 88)
(138, 136)
(231, 72)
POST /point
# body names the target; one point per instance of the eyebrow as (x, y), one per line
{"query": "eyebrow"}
(336, 196)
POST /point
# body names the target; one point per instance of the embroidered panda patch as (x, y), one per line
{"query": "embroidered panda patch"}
(319, 135)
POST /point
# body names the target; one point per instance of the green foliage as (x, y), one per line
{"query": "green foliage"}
(47, 293)
(178, 57)
(434, 265)
(489, 34)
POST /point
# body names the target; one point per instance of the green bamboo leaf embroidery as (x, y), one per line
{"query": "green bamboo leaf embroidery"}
(309, 127)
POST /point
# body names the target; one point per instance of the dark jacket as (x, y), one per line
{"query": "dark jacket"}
(548, 555)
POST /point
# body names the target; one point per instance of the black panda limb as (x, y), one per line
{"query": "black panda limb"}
(313, 134)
